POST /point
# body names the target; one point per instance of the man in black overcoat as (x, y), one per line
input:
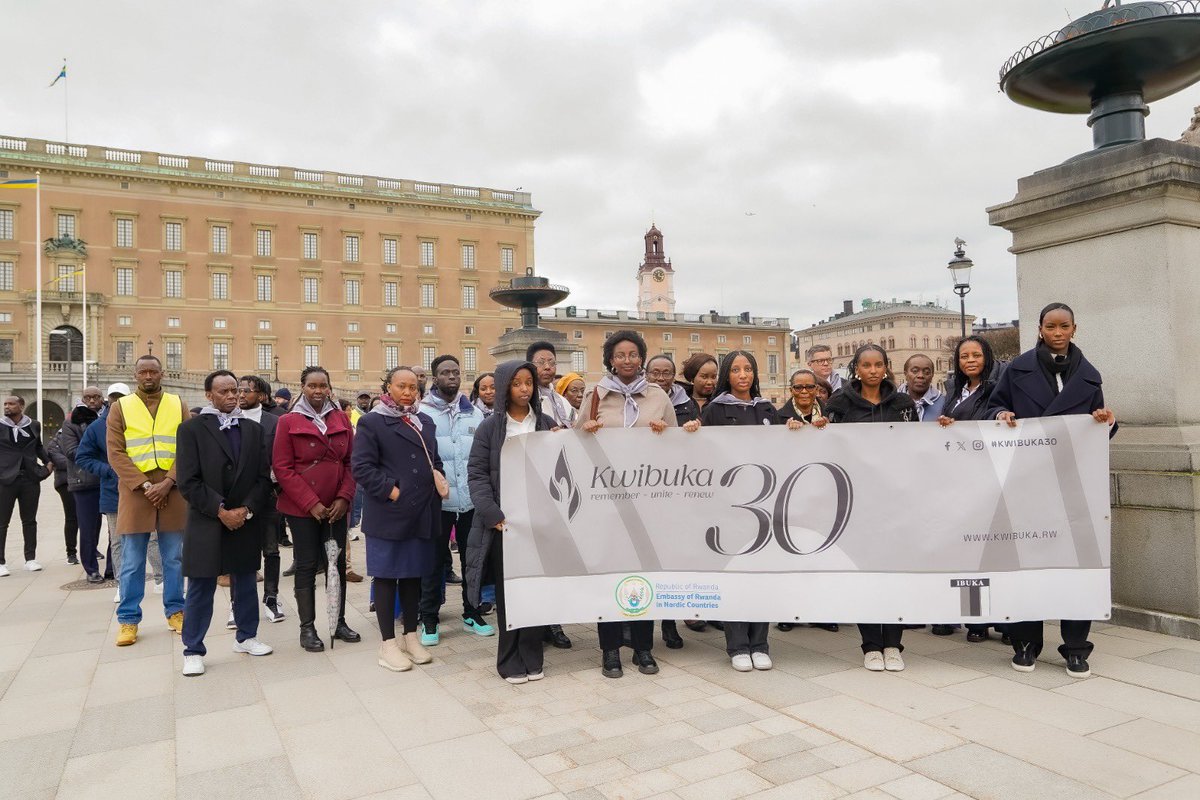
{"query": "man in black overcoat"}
(224, 475)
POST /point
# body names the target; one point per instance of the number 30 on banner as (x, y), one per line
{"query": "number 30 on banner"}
(776, 521)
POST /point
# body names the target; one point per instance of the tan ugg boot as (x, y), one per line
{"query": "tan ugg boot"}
(416, 651)
(392, 657)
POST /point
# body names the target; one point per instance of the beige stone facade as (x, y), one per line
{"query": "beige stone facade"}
(902, 327)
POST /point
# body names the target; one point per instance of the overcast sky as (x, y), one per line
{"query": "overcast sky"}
(794, 153)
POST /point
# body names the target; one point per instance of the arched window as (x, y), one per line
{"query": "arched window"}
(926, 342)
(891, 343)
(912, 342)
(60, 338)
(939, 343)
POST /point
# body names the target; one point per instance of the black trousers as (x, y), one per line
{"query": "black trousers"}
(384, 591)
(70, 520)
(641, 634)
(433, 585)
(87, 511)
(271, 555)
(520, 650)
(746, 637)
(24, 493)
(1074, 633)
(308, 537)
(877, 637)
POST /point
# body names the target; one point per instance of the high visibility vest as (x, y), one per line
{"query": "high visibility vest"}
(355, 414)
(150, 441)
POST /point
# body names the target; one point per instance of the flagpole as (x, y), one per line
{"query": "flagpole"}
(66, 106)
(85, 339)
(37, 325)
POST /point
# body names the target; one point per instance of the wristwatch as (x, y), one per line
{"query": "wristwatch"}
(146, 485)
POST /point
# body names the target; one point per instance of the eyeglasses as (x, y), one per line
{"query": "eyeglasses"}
(804, 387)
(545, 362)
(821, 361)
(626, 357)
(662, 373)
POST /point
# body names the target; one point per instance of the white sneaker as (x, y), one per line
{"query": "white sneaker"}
(253, 647)
(117, 596)
(518, 679)
(230, 624)
(193, 666)
(4, 573)
(873, 661)
(275, 612)
(158, 588)
(892, 661)
(761, 660)
(535, 676)
(742, 662)
(33, 566)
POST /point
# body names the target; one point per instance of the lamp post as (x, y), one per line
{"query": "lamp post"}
(277, 369)
(960, 269)
(150, 347)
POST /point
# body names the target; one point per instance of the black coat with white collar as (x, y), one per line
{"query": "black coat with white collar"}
(1024, 390)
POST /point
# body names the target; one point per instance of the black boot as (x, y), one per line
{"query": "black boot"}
(611, 666)
(343, 631)
(670, 634)
(309, 639)
(306, 613)
(644, 661)
(554, 635)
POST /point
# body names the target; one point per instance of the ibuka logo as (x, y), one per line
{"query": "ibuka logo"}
(562, 486)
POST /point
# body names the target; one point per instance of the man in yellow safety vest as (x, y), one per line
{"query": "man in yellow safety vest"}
(141, 450)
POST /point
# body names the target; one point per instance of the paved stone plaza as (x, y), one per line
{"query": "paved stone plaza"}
(81, 718)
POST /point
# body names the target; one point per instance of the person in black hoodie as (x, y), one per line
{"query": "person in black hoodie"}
(519, 654)
(870, 396)
(1052, 379)
(737, 401)
(83, 485)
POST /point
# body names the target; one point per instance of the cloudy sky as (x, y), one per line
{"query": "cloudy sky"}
(794, 153)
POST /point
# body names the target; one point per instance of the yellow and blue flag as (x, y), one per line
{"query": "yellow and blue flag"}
(23, 183)
(61, 74)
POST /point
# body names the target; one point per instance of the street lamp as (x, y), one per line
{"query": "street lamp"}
(277, 369)
(150, 347)
(960, 269)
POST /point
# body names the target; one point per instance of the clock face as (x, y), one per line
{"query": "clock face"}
(659, 275)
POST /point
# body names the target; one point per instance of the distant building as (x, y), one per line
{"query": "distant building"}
(901, 327)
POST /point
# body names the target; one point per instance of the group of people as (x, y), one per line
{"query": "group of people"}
(220, 487)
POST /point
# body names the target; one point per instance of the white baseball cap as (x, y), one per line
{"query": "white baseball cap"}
(117, 388)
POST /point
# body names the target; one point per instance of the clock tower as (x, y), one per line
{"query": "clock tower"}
(656, 278)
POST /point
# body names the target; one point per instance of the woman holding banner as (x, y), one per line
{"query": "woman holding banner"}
(870, 396)
(1052, 379)
(737, 401)
(625, 399)
(699, 379)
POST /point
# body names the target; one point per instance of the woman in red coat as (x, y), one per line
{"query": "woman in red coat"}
(311, 458)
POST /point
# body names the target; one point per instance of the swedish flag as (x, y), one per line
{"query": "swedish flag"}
(24, 183)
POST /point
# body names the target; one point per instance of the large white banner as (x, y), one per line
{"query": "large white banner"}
(905, 523)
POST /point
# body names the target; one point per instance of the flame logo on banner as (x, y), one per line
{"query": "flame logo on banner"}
(563, 487)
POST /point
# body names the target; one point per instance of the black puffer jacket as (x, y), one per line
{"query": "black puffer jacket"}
(848, 404)
(975, 406)
(69, 437)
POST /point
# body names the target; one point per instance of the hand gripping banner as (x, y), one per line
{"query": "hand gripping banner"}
(904, 523)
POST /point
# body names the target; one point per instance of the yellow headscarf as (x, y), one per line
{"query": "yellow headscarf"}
(565, 381)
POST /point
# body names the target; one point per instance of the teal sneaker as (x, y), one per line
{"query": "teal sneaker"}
(476, 624)
(429, 634)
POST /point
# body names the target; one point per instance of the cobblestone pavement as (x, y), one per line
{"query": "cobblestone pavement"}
(80, 717)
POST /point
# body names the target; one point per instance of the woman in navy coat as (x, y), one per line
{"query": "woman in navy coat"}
(395, 456)
(1052, 379)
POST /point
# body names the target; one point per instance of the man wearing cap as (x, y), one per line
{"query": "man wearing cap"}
(283, 399)
(141, 430)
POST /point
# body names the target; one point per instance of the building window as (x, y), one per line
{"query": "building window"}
(577, 334)
(391, 293)
(912, 342)
(506, 259)
(66, 226)
(747, 339)
(264, 324)
(579, 362)
(66, 278)
(721, 338)
(391, 356)
(124, 232)
(174, 355)
(7, 350)
(311, 289)
(173, 283)
(219, 323)
(926, 343)
(264, 288)
(351, 249)
(310, 326)
(771, 340)
(124, 352)
(220, 239)
(262, 242)
(939, 343)
(220, 355)
(353, 293)
(6, 224)
(695, 338)
(666, 337)
(772, 363)
(174, 322)
(125, 281)
(7, 276)
(310, 246)
(125, 320)
(469, 330)
(468, 297)
(468, 256)
(470, 359)
(312, 355)
(220, 286)
(6, 317)
(353, 357)
(265, 357)
(428, 295)
(427, 355)
(389, 251)
(173, 236)
(390, 327)
(427, 254)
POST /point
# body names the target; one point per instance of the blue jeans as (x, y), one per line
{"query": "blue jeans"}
(356, 508)
(197, 614)
(133, 574)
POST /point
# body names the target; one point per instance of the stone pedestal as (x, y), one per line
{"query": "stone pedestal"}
(513, 344)
(1116, 235)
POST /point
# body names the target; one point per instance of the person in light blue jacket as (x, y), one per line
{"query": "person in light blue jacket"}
(456, 419)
